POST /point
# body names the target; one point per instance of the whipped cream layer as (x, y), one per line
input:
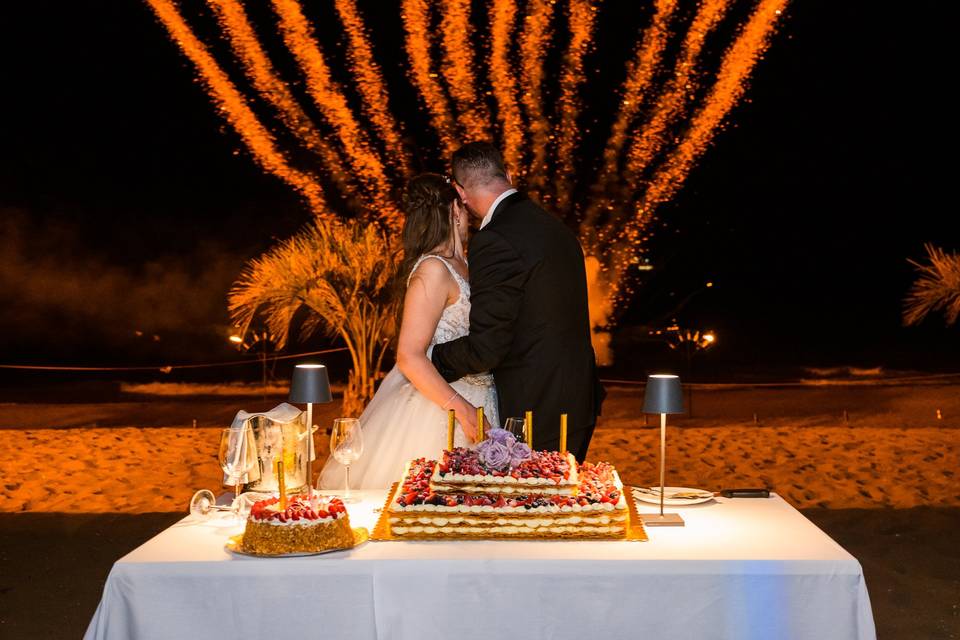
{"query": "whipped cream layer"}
(477, 509)
(543, 521)
(505, 489)
(507, 530)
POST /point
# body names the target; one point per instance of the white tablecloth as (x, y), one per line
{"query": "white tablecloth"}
(745, 569)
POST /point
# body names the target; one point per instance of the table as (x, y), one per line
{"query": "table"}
(741, 568)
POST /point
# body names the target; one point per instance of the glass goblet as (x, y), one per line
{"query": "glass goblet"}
(346, 446)
(237, 456)
(518, 427)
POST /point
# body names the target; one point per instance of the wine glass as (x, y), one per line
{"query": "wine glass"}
(518, 427)
(346, 446)
(237, 455)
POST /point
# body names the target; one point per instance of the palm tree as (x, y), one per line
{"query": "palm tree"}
(341, 273)
(937, 288)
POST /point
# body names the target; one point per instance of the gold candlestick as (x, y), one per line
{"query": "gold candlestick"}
(451, 422)
(479, 424)
(282, 485)
(528, 422)
(563, 433)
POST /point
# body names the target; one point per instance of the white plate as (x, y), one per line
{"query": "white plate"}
(651, 495)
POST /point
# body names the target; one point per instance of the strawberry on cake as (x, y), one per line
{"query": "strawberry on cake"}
(303, 527)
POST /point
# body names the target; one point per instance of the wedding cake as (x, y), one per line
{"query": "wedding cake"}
(302, 527)
(502, 489)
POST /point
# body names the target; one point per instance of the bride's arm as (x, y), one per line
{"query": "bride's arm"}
(430, 289)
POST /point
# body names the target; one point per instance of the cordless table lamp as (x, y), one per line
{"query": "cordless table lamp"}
(663, 396)
(310, 384)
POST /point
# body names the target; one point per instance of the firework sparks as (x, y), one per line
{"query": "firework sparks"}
(683, 84)
(333, 104)
(640, 72)
(233, 20)
(534, 42)
(458, 69)
(416, 21)
(371, 86)
(502, 20)
(582, 16)
(737, 64)
(235, 109)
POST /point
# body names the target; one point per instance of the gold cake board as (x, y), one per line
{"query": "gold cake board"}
(634, 533)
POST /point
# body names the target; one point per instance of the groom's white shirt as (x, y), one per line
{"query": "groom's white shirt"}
(493, 207)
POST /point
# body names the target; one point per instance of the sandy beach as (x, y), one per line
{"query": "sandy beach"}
(885, 454)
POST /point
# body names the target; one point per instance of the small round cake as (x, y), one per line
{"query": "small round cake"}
(304, 527)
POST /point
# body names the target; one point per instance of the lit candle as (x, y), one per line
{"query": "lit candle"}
(528, 422)
(282, 485)
(563, 433)
(479, 424)
(451, 422)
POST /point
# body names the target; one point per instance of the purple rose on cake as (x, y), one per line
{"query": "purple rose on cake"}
(494, 455)
(501, 436)
(518, 453)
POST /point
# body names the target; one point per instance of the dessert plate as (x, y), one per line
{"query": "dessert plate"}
(673, 496)
(233, 545)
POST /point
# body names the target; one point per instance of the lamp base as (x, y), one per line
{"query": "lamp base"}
(665, 520)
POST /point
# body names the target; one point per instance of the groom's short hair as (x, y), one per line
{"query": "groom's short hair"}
(477, 164)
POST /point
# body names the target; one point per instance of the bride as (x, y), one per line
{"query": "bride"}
(406, 418)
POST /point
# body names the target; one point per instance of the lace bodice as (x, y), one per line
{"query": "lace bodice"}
(455, 319)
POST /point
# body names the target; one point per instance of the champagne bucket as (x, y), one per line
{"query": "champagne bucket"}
(280, 433)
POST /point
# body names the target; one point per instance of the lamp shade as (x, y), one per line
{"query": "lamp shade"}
(310, 384)
(663, 394)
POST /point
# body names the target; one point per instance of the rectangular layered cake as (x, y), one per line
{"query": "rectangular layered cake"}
(545, 496)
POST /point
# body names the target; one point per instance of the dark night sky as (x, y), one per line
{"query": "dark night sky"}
(125, 206)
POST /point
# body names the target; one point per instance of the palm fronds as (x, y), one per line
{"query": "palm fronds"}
(937, 288)
(341, 274)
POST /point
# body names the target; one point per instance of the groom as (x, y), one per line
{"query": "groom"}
(529, 323)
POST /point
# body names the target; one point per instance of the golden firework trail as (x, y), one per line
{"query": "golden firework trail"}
(372, 88)
(731, 83)
(457, 41)
(416, 22)
(363, 159)
(582, 17)
(640, 73)
(534, 42)
(258, 68)
(234, 108)
(672, 100)
(502, 20)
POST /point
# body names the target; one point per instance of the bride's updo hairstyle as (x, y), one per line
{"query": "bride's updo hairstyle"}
(426, 202)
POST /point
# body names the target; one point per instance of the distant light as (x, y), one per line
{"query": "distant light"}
(709, 284)
(645, 267)
(235, 339)
(709, 337)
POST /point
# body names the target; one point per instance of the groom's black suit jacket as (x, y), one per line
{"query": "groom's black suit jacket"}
(529, 324)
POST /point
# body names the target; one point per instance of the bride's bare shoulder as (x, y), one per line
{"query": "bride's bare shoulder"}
(432, 273)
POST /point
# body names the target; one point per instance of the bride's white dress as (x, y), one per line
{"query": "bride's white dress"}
(400, 424)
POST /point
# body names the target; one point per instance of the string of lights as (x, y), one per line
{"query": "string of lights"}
(167, 368)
